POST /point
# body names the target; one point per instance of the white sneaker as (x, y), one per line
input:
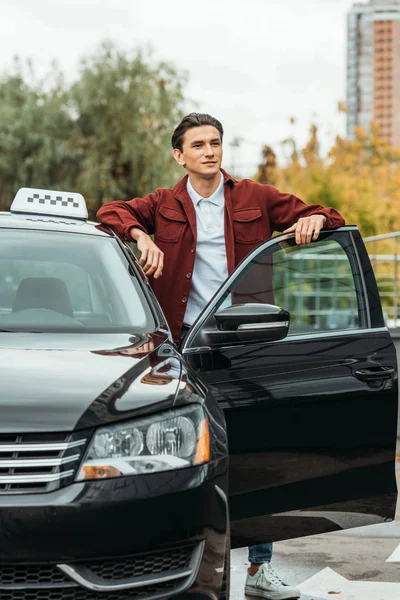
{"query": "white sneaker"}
(266, 584)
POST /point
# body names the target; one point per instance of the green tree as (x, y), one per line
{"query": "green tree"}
(35, 126)
(126, 108)
(107, 135)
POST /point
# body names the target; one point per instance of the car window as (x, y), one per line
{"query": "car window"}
(64, 281)
(318, 284)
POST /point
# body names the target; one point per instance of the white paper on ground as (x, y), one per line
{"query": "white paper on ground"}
(395, 556)
(328, 585)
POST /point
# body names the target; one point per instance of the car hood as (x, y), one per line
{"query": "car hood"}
(53, 382)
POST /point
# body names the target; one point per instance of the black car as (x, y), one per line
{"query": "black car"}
(129, 467)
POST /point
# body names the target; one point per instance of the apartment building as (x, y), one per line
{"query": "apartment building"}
(373, 67)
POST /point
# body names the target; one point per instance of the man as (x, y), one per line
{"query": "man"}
(202, 229)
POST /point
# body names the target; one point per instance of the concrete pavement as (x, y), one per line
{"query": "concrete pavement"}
(353, 563)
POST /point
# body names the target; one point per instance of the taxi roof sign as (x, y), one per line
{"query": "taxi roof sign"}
(50, 202)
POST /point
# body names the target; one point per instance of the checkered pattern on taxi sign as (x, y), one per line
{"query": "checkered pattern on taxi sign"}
(47, 199)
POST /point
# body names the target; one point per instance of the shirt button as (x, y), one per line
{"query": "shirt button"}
(192, 251)
(184, 299)
(188, 275)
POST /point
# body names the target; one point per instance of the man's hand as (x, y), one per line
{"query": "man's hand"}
(307, 229)
(151, 257)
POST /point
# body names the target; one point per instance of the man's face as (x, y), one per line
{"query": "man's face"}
(201, 151)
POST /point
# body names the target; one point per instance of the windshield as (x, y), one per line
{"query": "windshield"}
(68, 282)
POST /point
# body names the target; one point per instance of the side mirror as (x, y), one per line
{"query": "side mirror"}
(253, 322)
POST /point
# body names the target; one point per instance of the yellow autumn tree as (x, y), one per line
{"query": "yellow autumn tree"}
(360, 178)
(366, 170)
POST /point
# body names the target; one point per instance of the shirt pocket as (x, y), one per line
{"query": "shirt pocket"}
(170, 224)
(248, 225)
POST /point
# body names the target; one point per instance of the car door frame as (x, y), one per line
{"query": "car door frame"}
(374, 313)
(374, 323)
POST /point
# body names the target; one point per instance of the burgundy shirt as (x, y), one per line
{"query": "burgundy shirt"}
(253, 211)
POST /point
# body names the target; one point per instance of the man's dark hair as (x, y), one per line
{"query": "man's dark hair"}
(193, 120)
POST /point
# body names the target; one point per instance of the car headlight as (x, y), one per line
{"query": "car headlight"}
(173, 440)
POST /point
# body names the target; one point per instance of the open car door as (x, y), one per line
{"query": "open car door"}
(310, 405)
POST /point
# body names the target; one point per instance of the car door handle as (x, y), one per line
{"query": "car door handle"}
(374, 373)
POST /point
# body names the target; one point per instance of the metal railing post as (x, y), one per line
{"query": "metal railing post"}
(396, 281)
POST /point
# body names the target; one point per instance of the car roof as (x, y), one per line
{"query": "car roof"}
(10, 220)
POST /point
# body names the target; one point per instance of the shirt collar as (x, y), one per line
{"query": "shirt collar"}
(216, 198)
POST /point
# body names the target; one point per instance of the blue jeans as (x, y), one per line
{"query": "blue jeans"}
(260, 553)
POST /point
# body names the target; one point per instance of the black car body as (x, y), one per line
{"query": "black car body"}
(116, 481)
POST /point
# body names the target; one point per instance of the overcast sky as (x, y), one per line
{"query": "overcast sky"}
(252, 63)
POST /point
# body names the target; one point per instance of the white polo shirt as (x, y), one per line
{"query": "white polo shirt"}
(211, 267)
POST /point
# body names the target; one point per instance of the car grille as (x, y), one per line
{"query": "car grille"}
(39, 462)
(137, 566)
(153, 575)
(14, 575)
(164, 590)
